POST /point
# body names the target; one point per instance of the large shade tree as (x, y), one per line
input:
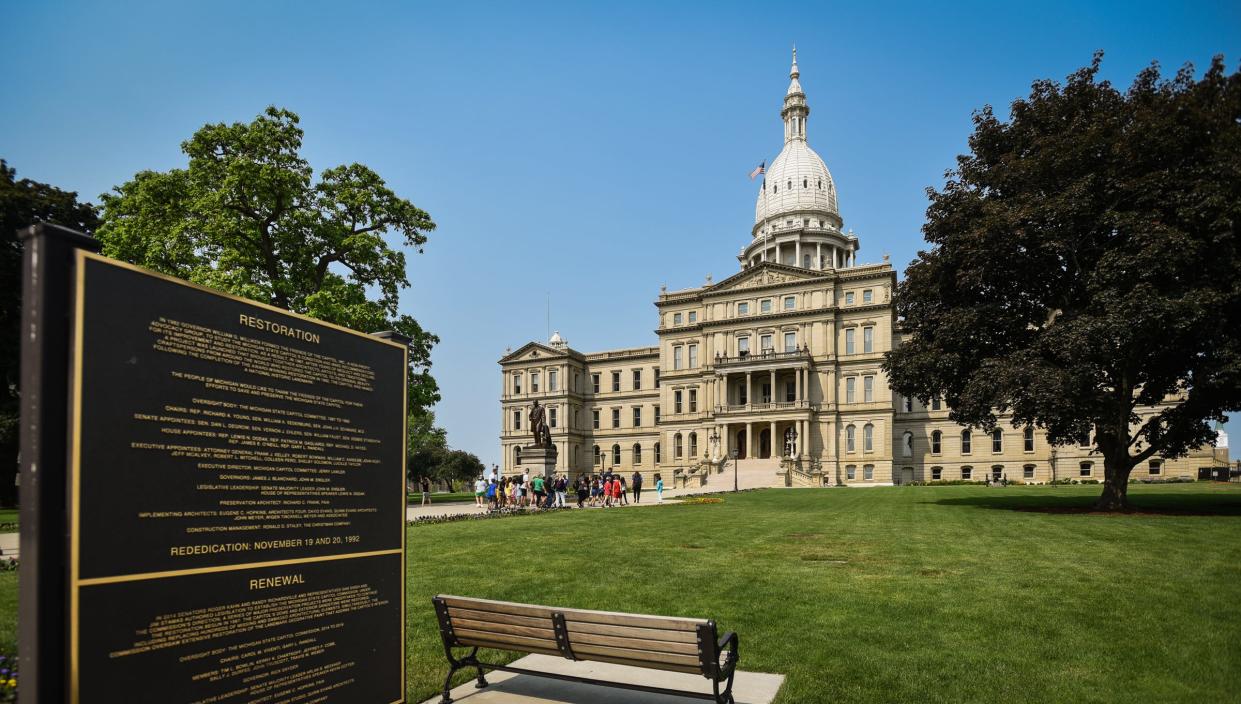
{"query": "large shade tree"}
(247, 216)
(23, 202)
(1084, 273)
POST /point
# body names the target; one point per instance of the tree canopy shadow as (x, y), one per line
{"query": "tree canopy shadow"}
(1169, 504)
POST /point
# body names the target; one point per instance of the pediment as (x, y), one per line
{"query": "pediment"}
(531, 351)
(765, 274)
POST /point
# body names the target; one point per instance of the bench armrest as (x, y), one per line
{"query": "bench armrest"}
(729, 640)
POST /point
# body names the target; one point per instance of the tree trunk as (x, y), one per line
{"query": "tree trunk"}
(1115, 495)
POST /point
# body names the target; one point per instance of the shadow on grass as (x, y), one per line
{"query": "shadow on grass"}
(1140, 505)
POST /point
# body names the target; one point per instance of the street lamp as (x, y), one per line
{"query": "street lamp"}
(792, 441)
(732, 454)
(714, 438)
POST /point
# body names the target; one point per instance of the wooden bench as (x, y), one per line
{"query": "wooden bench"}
(677, 644)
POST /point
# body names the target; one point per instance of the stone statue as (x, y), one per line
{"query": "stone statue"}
(538, 425)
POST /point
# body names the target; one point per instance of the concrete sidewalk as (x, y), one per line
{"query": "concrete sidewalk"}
(509, 688)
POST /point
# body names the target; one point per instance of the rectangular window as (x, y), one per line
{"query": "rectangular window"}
(551, 417)
(615, 417)
(553, 380)
(967, 442)
(790, 302)
(766, 395)
(693, 400)
(656, 415)
(1028, 440)
(868, 339)
(594, 417)
(764, 306)
(1027, 472)
(849, 298)
(1084, 469)
(997, 440)
(935, 404)
(516, 420)
(868, 389)
(967, 472)
(517, 383)
(790, 342)
(1155, 467)
(868, 296)
(851, 389)
(594, 379)
(676, 401)
(937, 473)
(534, 382)
(637, 379)
(676, 318)
(693, 316)
(851, 471)
(743, 308)
(850, 340)
(868, 472)
(764, 342)
(742, 394)
(790, 391)
(743, 346)
(909, 404)
(637, 416)
(693, 356)
(676, 358)
(616, 381)
(656, 370)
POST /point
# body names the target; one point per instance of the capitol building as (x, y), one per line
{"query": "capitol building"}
(779, 363)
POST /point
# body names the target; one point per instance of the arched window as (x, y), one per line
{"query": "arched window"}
(805, 261)
(775, 188)
(967, 442)
(804, 183)
(1027, 472)
(937, 442)
(907, 444)
(790, 184)
(616, 455)
(1029, 439)
(850, 438)
(597, 456)
(868, 438)
(693, 444)
(997, 472)
(937, 473)
(820, 181)
(658, 457)
(997, 440)
(517, 455)
(637, 454)
(967, 472)
(676, 446)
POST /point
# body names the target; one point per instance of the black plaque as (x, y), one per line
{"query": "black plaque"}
(237, 502)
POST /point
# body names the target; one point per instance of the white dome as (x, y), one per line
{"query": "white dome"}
(797, 182)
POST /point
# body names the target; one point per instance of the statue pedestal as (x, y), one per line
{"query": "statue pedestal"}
(539, 460)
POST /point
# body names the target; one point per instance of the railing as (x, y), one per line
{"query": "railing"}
(777, 406)
(769, 355)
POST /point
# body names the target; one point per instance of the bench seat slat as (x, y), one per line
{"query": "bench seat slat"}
(581, 615)
(528, 631)
(588, 651)
(576, 627)
(578, 640)
(505, 646)
(670, 667)
(513, 642)
(493, 617)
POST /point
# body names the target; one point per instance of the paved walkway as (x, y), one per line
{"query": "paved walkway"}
(508, 688)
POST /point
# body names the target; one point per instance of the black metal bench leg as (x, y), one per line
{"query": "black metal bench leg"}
(482, 681)
(448, 686)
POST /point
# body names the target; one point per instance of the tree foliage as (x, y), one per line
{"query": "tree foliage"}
(23, 203)
(442, 463)
(1084, 267)
(247, 217)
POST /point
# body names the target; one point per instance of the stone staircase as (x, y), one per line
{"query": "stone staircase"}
(751, 474)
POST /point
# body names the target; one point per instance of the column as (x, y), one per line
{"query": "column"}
(803, 438)
(818, 256)
(773, 385)
(749, 440)
(778, 254)
(776, 442)
(748, 400)
(797, 395)
(797, 253)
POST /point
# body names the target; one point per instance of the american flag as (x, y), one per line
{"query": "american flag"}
(761, 169)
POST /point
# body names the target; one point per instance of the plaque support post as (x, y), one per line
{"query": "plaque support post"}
(42, 628)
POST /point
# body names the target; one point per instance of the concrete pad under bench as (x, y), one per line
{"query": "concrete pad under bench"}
(510, 688)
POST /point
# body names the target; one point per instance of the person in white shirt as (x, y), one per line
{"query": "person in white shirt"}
(480, 490)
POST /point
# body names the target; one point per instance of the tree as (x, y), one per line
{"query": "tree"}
(23, 203)
(247, 217)
(1083, 269)
(444, 464)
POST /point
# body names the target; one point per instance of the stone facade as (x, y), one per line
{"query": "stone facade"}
(781, 360)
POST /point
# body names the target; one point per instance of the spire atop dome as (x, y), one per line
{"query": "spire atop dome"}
(793, 73)
(795, 109)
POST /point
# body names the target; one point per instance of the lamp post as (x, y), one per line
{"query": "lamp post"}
(714, 438)
(792, 441)
(732, 454)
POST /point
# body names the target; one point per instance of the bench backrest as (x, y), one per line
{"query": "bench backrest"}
(660, 642)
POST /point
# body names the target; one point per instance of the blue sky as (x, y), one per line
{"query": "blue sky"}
(586, 152)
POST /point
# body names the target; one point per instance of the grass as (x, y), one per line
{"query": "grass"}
(443, 497)
(903, 594)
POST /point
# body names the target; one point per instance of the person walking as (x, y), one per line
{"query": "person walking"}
(425, 484)
(637, 487)
(583, 490)
(659, 488)
(624, 490)
(562, 486)
(479, 487)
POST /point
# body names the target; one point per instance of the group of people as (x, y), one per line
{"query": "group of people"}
(517, 491)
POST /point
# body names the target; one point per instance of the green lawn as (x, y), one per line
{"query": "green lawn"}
(443, 497)
(903, 594)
